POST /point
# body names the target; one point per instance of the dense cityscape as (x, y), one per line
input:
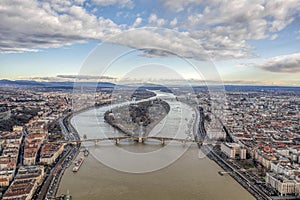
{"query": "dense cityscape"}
(31, 160)
(160, 99)
(259, 145)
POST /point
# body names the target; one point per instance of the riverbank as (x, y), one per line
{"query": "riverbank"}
(212, 154)
(135, 118)
(187, 178)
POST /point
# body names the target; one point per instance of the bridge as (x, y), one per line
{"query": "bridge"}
(117, 140)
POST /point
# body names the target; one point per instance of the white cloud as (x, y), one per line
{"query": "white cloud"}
(121, 3)
(222, 28)
(273, 37)
(161, 42)
(285, 63)
(80, 2)
(173, 23)
(76, 78)
(85, 77)
(32, 25)
(161, 22)
(223, 43)
(255, 19)
(17, 50)
(154, 20)
(137, 22)
(180, 5)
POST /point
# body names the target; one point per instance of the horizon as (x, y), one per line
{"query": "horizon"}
(149, 83)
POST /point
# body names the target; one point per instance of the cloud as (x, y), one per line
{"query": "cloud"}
(137, 22)
(180, 5)
(17, 50)
(220, 29)
(154, 20)
(251, 19)
(120, 3)
(32, 25)
(85, 77)
(285, 63)
(161, 42)
(173, 23)
(80, 2)
(62, 78)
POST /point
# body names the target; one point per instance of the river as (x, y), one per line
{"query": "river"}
(149, 170)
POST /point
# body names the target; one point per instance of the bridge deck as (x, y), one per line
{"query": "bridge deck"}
(118, 139)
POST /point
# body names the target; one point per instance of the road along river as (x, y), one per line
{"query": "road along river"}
(174, 171)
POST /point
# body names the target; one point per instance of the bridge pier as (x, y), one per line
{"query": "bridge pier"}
(184, 143)
(141, 140)
(117, 141)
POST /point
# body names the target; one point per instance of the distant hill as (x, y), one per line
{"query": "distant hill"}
(150, 86)
(20, 83)
(43, 84)
(260, 88)
(4, 83)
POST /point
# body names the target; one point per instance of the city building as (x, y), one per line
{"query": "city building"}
(4, 182)
(233, 150)
(25, 183)
(283, 184)
(21, 190)
(31, 172)
(50, 153)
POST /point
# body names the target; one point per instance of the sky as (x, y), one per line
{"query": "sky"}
(246, 42)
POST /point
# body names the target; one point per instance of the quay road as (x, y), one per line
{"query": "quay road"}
(67, 129)
(51, 182)
(240, 176)
(246, 180)
(59, 171)
(201, 133)
(252, 185)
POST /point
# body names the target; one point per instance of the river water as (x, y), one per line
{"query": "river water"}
(149, 170)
